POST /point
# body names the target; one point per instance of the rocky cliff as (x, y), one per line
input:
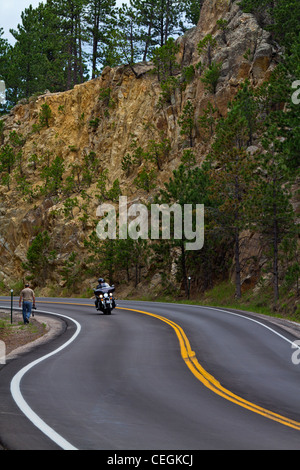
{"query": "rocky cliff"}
(102, 119)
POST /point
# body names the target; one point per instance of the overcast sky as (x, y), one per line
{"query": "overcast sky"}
(10, 13)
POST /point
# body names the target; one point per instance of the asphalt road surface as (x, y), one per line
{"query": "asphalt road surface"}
(152, 376)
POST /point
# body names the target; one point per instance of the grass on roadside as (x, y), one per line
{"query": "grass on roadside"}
(15, 333)
(223, 295)
(7, 327)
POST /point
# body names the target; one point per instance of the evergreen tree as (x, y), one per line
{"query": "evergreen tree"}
(39, 258)
(192, 10)
(164, 59)
(129, 35)
(48, 53)
(4, 68)
(52, 46)
(125, 256)
(53, 176)
(71, 14)
(278, 168)
(146, 19)
(72, 273)
(168, 14)
(273, 214)
(28, 64)
(211, 77)
(206, 47)
(100, 18)
(4, 46)
(186, 186)
(280, 16)
(37, 62)
(51, 41)
(232, 171)
(7, 161)
(187, 122)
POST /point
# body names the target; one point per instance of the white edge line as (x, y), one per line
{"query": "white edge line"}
(255, 321)
(22, 404)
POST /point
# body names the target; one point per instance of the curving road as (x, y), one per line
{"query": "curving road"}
(153, 377)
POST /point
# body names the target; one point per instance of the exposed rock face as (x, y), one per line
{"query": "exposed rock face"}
(82, 123)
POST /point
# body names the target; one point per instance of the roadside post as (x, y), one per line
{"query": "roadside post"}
(189, 287)
(11, 304)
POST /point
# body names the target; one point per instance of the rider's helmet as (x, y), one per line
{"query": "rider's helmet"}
(101, 280)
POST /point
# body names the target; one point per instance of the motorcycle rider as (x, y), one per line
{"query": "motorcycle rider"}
(101, 284)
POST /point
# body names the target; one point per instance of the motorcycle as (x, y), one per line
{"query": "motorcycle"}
(105, 301)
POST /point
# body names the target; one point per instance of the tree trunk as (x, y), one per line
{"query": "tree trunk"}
(238, 290)
(183, 267)
(95, 42)
(275, 256)
(166, 32)
(136, 275)
(148, 41)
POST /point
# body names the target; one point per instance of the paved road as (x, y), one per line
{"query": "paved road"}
(185, 377)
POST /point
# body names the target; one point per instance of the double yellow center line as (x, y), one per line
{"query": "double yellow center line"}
(210, 382)
(201, 374)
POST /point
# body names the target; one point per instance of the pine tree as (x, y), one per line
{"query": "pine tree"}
(232, 171)
(4, 46)
(186, 186)
(37, 58)
(71, 15)
(168, 15)
(39, 258)
(160, 20)
(129, 35)
(7, 161)
(278, 168)
(99, 18)
(211, 77)
(53, 176)
(146, 19)
(164, 59)
(28, 64)
(272, 210)
(280, 16)
(192, 10)
(4, 68)
(187, 122)
(206, 47)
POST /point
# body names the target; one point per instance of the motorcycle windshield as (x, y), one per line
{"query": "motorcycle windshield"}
(104, 290)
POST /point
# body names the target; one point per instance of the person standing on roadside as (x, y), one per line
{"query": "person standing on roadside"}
(28, 297)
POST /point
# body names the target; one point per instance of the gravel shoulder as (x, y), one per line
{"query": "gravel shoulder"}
(18, 338)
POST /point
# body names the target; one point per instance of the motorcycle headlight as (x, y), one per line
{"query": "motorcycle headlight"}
(101, 296)
(105, 295)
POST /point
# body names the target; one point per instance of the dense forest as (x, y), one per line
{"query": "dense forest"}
(63, 43)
